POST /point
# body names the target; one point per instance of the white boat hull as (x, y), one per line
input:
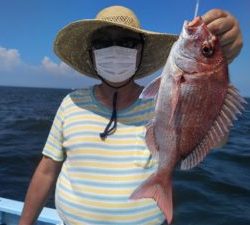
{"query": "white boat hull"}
(10, 212)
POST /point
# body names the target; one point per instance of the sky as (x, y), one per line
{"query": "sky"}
(28, 29)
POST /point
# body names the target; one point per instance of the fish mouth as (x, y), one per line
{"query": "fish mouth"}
(190, 27)
(197, 21)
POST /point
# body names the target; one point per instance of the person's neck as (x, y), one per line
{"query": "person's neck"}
(126, 94)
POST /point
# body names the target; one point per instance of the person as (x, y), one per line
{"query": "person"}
(95, 153)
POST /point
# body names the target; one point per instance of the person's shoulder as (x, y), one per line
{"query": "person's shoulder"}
(77, 95)
(79, 92)
(143, 107)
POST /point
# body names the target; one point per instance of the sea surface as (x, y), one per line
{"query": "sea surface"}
(217, 192)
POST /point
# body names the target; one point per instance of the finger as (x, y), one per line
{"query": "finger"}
(232, 50)
(221, 25)
(229, 36)
(213, 15)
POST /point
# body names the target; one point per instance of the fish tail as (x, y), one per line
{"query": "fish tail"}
(160, 191)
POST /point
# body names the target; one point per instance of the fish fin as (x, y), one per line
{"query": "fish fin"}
(156, 96)
(151, 90)
(158, 189)
(233, 104)
(176, 93)
(150, 139)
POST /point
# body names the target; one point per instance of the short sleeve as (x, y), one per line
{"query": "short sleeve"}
(53, 147)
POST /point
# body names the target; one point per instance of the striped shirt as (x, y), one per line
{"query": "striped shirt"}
(98, 176)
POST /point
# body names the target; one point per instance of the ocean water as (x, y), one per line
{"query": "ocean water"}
(217, 192)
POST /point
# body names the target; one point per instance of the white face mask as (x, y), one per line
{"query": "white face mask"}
(115, 63)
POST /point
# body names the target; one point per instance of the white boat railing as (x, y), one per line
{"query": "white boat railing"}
(10, 211)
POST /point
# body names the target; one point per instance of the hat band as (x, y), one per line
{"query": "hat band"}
(125, 20)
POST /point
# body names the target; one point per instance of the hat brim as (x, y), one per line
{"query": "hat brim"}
(72, 45)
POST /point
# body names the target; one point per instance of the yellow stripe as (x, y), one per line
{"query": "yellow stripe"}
(73, 109)
(58, 123)
(52, 138)
(124, 130)
(144, 106)
(98, 190)
(80, 98)
(103, 152)
(89, 118)
(102, 165)
(96, 140)
(52, 149)
(108, 191)
(111, 178)
(95, 118)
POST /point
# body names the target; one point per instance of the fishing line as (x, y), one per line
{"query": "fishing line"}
(196, 8)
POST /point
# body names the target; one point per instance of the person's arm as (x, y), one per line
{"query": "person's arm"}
(41, 185)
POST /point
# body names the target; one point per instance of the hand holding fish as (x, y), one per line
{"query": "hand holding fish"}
(227, 29)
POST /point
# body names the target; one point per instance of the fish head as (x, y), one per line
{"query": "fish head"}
(197, 49)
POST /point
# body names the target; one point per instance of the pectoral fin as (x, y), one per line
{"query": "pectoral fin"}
(176, 94)
(150, 140)
(151, 90)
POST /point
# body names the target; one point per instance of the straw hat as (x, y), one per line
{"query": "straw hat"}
(72, 42)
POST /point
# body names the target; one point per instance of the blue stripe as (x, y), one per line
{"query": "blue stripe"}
(90, 221)
(102, 125)
(104, 146)
(78, 104)
(97, 158)
(56, 147)
(137, 113)
(102, 108)
(117, 185)
(85, 122)
(128, 115)
(128, 136)
(139, 123)
(120, 124)
(115, 211)
(55, 127)
(79, 113)
(59, 118)
(99, 197)
(112, 171)
(55, 137)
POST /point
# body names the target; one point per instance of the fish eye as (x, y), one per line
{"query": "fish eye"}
(207, 50)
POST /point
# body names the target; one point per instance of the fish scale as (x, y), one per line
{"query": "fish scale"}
(195, 109)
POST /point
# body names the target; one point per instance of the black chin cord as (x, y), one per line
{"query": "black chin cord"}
(110, 130)
(113, 120)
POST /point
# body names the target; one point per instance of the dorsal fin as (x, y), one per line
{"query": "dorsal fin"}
(233, 105)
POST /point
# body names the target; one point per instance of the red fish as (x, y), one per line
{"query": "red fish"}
(195, 107)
